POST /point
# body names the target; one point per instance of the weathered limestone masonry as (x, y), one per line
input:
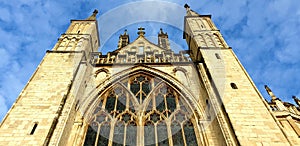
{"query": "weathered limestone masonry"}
(249, 120)
(40, 115)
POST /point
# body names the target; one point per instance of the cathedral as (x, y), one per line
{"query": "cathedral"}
(146, 94)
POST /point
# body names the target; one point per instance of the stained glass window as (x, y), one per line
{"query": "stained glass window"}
(140, 86)
(162, 134)
(190, 134)
(171, 102)
(110, 103)
(90, 136)
(177, 134)
(164, 117)
(160, 102)
(149, 136)
(103, 137)
(131, 133)
(119, 134)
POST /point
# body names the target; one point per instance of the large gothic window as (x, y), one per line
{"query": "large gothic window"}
(141, 110)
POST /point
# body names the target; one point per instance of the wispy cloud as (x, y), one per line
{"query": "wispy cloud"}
(3, 107)
(263, 33)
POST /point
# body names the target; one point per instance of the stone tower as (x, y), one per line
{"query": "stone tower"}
(42, 113)
(142, 93)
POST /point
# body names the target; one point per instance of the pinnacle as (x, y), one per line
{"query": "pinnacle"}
(189, 11)
(93, 16)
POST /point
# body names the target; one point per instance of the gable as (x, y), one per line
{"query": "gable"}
(141, 46)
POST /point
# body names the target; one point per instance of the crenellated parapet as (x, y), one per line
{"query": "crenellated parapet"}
(133, 57)
(141, 51)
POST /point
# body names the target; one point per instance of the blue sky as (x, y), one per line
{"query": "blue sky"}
(264, 34)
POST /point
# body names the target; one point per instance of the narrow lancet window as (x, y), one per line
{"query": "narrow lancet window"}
(218, 56)
(33, 128)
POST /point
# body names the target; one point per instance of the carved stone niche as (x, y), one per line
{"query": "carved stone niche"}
(101, 74)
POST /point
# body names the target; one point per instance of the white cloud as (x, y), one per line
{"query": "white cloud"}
(268, 43)
(5, 57)
(264, 34)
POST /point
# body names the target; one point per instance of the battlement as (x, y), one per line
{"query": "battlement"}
(133, 57)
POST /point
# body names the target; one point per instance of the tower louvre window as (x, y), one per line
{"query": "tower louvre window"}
(161, 104)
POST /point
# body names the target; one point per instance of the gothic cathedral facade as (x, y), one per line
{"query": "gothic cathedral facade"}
(146, 94)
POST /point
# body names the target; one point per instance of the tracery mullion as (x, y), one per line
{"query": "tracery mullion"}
(156, 135)
(98, 134)
(141, 92)
(156, 87)
(130, 94)
(177, 100)
(153, 90)
(156, 104)
(128, 106)
(166, 106)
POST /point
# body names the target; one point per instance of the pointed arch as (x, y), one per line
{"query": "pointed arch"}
(182, 75)
(209, 38)
(176, 105)
(202, 39)
(219, 40)
(140, 69)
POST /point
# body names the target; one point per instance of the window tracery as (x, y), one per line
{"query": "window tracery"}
(141, 101)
